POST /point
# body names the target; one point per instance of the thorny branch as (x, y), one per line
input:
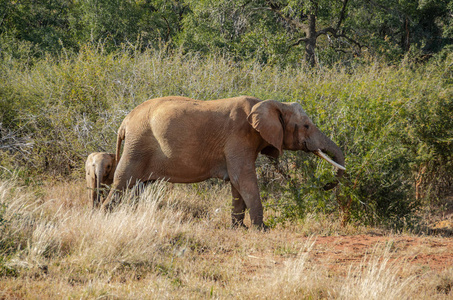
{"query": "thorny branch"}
(9, 141)
(334, 31)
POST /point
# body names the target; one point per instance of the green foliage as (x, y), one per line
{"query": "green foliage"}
(41, 23)
(242, 29)
(395, 28)
(394, 126)
(48, 26)
(267, 31)
(429, 131)
(393, 123)
(3, 220)
(6, 270)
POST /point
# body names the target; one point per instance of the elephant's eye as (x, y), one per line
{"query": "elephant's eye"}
(307, 126)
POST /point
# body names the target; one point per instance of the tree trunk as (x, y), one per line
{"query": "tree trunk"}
(310, 45)
(405, 40)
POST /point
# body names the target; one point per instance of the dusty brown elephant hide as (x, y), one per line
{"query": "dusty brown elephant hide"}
(184, 140)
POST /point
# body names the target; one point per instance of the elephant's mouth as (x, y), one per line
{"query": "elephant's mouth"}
(321, 154)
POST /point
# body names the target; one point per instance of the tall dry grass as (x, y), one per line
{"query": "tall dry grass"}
(378, 278)
(173, 242)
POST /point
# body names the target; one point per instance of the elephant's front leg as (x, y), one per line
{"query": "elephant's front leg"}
(244, 182)
(238, 211)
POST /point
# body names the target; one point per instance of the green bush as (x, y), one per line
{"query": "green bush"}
(393, 122)
(389, 128)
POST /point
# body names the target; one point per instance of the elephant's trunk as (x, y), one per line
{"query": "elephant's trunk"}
(99, 176)
(337, 159)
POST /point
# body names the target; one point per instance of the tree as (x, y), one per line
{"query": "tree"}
(117, 21)
(270, 31)
(393, 28)
(50, 25)
(44, 23)
(305, 17)
(266, 29)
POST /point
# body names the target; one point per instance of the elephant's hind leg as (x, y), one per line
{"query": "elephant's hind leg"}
(126, 176)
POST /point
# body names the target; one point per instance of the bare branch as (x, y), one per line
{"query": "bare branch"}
(13, 142)
(167, 38)
(342, 14)
(336, 35)
(299, 41)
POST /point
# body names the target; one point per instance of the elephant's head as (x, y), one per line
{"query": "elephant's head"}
(104, 165)
(286, 126)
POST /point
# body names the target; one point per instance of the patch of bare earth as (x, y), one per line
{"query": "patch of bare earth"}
(339, 253)
(425, 253)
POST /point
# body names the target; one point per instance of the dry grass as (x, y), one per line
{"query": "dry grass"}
(175, 242)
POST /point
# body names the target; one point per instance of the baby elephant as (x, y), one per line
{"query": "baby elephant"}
(100, 167)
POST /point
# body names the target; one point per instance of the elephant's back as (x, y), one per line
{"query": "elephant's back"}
(186, 103)
(152, 104)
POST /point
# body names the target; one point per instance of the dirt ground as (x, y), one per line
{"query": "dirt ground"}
(427, 253)
(433, 252)
(422, 253)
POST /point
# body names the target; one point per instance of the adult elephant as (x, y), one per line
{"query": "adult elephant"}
(184, 140)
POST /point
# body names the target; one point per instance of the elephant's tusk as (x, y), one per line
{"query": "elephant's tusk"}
(323, 155)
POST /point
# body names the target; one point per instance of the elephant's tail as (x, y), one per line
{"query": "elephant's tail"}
(119, 140)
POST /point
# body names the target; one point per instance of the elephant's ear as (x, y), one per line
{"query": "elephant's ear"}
(266, 117)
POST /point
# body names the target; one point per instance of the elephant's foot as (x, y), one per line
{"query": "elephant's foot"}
(238, 224)
(262, 227)
(237, 216)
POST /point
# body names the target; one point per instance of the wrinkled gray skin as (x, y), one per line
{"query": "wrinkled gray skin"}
(184, 140)
(99, 168)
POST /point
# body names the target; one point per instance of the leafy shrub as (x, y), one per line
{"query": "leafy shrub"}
(393, 123)
(388, 128)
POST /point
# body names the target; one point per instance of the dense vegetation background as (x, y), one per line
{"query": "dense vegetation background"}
(277, 32)
(376, 76)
